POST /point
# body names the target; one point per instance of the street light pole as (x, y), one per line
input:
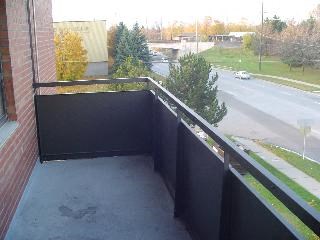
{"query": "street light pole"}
(161, 29)
(261, 35)
(197, 40)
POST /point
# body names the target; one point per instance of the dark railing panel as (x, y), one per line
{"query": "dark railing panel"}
(92, 125)
(126, 123)
(167, 138)
(293, 202)
(251, 218)
(201, 197)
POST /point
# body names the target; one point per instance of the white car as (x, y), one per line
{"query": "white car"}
(164, 60)
(242, 75)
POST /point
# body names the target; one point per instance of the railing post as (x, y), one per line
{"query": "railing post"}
(225, 200)
(155, 137)
(148, 87)
(178, 200)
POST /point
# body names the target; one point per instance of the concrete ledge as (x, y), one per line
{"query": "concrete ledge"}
(6, 131)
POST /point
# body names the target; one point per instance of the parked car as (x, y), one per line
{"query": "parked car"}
(242, 75)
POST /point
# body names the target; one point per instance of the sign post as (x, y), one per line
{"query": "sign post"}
(305, 128)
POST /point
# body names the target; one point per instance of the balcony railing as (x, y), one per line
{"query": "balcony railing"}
(210, 196)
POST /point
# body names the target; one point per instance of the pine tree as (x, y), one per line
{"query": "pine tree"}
(189, 81)
(140, 47)
(119, 31)
(131, 44)
(123, 48)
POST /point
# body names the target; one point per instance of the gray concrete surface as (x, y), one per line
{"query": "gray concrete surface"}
(263, 110)
(97, 69)
(304, 180)
(96, 199)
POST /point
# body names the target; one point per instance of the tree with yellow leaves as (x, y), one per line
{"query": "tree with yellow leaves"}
(71, 56)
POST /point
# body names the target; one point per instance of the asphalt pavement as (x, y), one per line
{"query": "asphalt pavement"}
(259, 109)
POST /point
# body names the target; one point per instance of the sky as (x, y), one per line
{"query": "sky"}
(147, 12)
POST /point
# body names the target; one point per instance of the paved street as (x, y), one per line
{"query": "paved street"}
(262, 110)
(161, 68)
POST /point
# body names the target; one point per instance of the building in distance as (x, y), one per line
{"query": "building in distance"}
(94, 36)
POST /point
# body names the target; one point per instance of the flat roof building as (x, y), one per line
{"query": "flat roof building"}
(94, 35)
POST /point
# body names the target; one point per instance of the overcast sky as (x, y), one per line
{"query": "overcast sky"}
(150, 11)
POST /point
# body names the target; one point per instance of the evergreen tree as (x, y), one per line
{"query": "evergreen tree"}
(131, 44)
(189, 81)
(130, 68)
(123, 48)
(140, 49)
(119, 31)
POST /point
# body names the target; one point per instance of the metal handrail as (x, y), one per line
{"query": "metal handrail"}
(89, 82)
(292, 201)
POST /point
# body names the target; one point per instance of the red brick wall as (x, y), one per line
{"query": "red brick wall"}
(18, 155)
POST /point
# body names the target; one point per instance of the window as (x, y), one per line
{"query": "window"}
(2, 109)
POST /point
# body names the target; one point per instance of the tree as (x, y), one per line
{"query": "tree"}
(247, 41)
(316, 12)
(111, 43)
(218, 28)
(277, 25)
(71, 56)
(300, 44)
(139, 47)
(121, 44)
(123, 48)
(130, 68)
(205, 27)
(189, 82)
(131, 44)
(173, 30)
(120, 29)
(292, 55)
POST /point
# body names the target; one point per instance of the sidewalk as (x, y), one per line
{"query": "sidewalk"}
(309, 183)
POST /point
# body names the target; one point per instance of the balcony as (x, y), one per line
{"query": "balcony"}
(143, 173)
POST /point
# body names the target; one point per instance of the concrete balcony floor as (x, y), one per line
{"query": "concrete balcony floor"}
(96, 199)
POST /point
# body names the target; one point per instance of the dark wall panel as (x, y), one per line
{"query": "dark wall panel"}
(167, 138)
(202, 185)
(94, 124)
(250, 218)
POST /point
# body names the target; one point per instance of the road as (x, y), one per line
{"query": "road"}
(262, 110)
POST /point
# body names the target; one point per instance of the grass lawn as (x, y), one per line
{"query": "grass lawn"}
(249, 62)
(280, 207)
(303, 193)
(308, 167)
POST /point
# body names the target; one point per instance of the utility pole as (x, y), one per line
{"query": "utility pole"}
(147, 28)
(161, 28)
(197, 40)
(261, 35)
